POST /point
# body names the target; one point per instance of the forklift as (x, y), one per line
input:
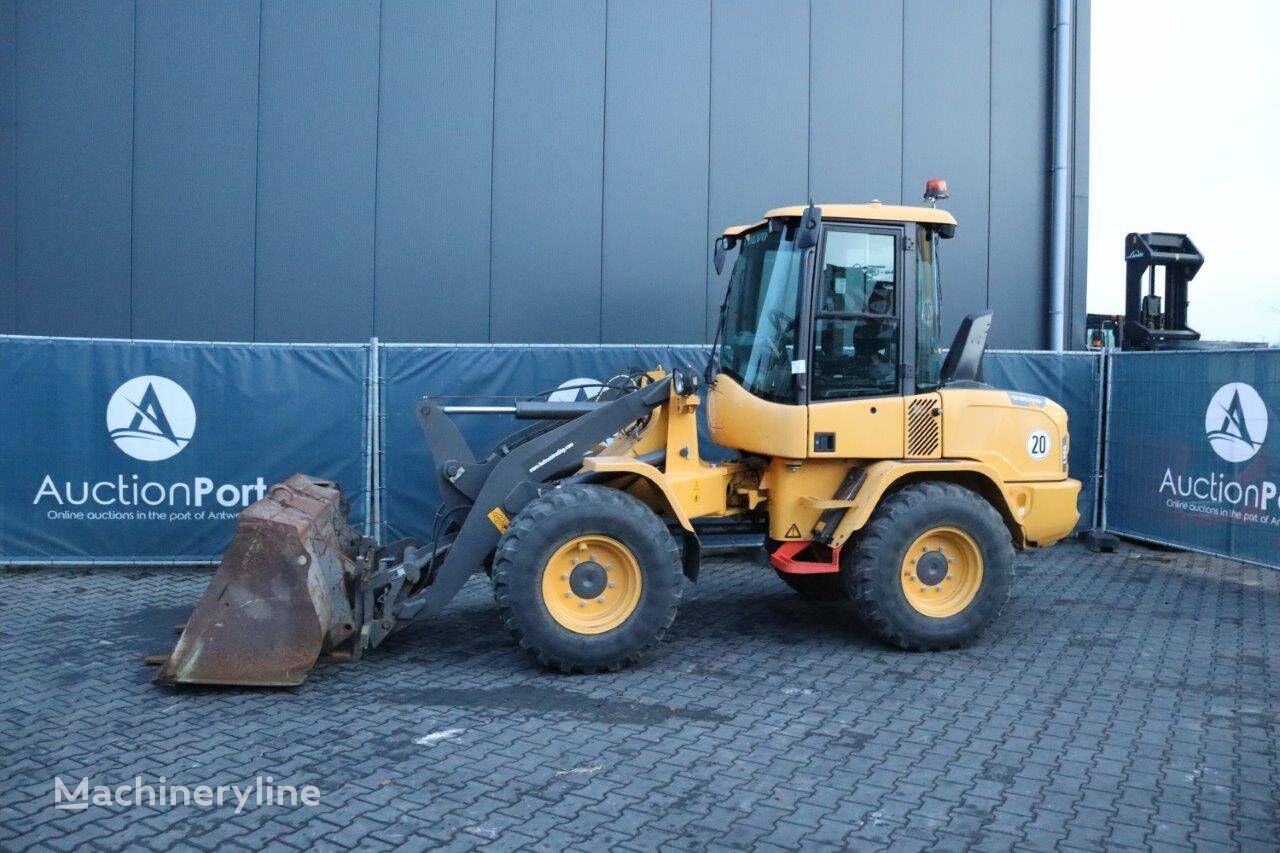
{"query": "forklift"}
(1152, 321)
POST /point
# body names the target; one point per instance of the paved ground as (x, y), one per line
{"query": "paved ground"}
(1130, 699)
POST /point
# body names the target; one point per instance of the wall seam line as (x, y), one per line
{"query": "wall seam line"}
(133, 163)
(991, 110)
(604, 147)
(17, 203)
(377, 171)
(493, 148)
(808, 106)
(711, 94)
(257, 181)
(902, 109)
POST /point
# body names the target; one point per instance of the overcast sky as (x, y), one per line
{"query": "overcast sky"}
(1185, 137)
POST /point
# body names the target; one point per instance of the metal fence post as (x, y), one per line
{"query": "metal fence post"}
(1104, 446)
(375, 440)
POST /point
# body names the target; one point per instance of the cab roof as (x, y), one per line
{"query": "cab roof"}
(873, 211)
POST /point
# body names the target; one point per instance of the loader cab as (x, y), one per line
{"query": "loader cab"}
(854, 316)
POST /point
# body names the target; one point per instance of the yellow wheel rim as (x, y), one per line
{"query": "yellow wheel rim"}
(942, 572)
(591, 584)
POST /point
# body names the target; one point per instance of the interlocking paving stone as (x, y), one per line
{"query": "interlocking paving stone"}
(1124, 700)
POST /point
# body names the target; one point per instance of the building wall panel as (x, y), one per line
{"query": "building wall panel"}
(855, 86)
(501, 170)
(434, 169)
(946, 132)
(195, 171)
(1021, 105)
(548, 150)
(759, 118)
(655, 171)
(74, 167)
(316, 162)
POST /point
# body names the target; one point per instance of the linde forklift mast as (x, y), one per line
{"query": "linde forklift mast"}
(1153, 321)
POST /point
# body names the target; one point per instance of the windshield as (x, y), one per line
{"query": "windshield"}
(760, 325)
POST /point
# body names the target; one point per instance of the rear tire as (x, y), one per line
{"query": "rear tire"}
(587, 579)
(931, 568)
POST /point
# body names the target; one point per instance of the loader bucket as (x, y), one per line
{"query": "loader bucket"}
(283, 593)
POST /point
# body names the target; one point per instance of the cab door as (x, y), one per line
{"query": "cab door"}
(856, 329)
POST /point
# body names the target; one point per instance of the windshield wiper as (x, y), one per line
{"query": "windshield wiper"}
(709, 378)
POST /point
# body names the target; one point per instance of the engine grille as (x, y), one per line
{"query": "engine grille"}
(923, 428)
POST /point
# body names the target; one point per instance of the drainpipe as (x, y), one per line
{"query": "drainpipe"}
(1063, 68)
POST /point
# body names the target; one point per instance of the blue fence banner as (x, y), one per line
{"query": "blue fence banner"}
(479, 375)
(137, 451)
(1193, 451)
(492, 374)
(1074, 381)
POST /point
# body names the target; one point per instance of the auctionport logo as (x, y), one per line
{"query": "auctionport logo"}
(79, 795)
(151, 418)
(574, 390)
(1236, 422)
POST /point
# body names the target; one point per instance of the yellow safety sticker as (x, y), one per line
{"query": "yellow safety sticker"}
(499, 519)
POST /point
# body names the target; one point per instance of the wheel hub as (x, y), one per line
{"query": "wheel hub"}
(588, 579)
(591, 584)
(931, 568)
(941, 572)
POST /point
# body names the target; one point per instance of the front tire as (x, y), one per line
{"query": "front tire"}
(931, 568)
(587, 579)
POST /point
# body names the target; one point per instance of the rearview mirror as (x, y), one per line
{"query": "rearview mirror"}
(807, 233)
(723, 245)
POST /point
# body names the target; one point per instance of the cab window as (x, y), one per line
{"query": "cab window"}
(856, 334)
(928, 319)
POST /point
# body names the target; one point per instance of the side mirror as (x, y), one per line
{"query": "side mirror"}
(810, 224)
(723, 245)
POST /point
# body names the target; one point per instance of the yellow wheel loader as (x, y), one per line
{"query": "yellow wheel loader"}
(878, 471)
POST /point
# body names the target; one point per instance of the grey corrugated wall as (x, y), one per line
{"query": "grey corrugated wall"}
(292, 170)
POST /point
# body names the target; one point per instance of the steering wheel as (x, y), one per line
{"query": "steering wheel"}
(782, 324)
(782, 321)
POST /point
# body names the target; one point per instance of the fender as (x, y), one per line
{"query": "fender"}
(1013, 500)
(655, 477)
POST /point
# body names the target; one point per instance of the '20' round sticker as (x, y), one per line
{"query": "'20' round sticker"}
(1038, 444)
